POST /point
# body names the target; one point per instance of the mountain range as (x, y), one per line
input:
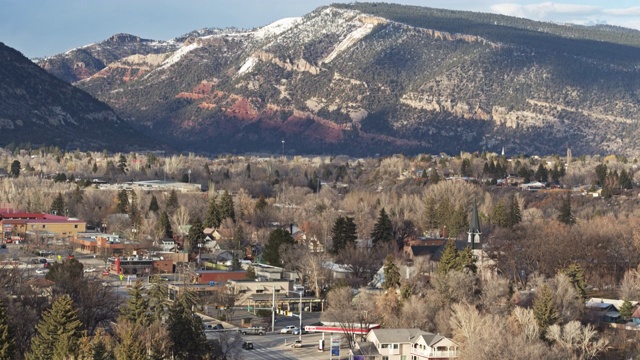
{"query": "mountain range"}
(39, 109)
(370, 78)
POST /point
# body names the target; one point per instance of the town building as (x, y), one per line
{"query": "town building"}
(20, 226)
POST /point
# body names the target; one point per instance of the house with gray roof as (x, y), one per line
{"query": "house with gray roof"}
(405, 344)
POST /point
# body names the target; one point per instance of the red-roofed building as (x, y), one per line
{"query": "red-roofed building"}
(20, 225)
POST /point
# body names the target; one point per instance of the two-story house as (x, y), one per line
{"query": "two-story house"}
(406, 344)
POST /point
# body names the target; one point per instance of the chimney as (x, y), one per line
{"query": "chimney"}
(445, 233)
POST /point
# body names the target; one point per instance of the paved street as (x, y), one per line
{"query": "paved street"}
(272, 347)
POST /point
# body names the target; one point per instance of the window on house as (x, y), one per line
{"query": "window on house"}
(395, 346)
(385, 358)
(75, 226)
(259, 291)
(44, 226)
(384, 346)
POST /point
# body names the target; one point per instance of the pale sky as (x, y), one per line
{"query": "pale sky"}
(45, 27)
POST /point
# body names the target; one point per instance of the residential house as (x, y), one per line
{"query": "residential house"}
(605, 310)
(405, 344)
(533, 186)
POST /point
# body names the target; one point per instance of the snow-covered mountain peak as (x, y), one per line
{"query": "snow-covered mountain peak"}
(277, 27)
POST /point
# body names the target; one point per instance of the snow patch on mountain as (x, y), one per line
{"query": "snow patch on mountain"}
(351, 39)
(277, 27)
(179, 54)
(248, 65)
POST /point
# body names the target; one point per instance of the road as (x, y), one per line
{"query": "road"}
(272, 347)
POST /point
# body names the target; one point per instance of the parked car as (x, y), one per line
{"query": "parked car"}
(289, 329)
(247, 345)
(89, 270)
(297, 344)
(213, 327)
(42, 271)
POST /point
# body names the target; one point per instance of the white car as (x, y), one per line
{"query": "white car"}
(90, 270)
(42, 271)
(289, 329)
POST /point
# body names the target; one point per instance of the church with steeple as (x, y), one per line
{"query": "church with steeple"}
(485, 265)
(474, 235)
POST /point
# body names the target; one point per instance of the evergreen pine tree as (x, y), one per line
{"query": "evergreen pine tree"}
(465, 168)
(186, 332)
(153, 204)
(57, 206)
(564, 212)
(251, 273)
(499, 215)
(130, 343)
(434, 178)
(122, 202)
(624, 180)
(94, 169)
(449, 259)
(344, 233)
(541, 174)
(235, 264)
(7, 339)
(514, 216)
(601, 174)
(172, 202)
(227, 207)
(271, 252)
(383, 229)
(466, 260)
(15, 168)
(544, 309)
(238, 237)
(391, 274)
(485, 169)
(136, 309)
(457, 221)
(261, 204)
(196, 234)
(430, 215)
(165, 225)
(58, 332)
(575, 273)
(122, 164)
(212, 220)
(157, 295)
(626, 310)
(95, 347)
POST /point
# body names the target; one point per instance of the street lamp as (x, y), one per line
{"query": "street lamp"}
(283, 147)
(199, 247)
(300, 316)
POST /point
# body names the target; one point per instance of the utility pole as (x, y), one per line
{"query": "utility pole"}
(273, 310)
